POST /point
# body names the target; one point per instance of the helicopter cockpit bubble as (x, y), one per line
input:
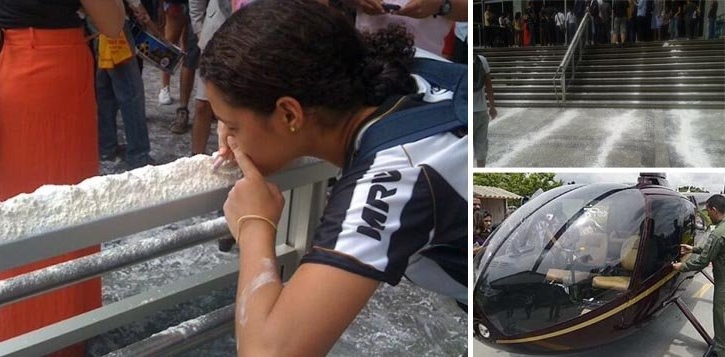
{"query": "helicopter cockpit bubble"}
(539, 266)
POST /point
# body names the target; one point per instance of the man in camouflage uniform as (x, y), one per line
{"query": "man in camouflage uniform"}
(712, 252)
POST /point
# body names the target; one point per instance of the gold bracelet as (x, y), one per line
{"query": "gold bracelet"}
(247, 217)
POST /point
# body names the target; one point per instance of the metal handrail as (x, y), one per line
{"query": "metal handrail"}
(575, 44)
(90, 266)
(305, 195)
(182, 337)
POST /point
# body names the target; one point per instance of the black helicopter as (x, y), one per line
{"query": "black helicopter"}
(580, 266)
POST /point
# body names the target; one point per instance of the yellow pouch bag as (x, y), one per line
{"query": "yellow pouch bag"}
(113, 51)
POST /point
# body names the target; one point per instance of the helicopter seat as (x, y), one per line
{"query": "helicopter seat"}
(628, 256)
(563, 275)
(616, 240)
(591, 250)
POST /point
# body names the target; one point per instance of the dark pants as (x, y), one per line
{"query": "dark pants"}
(122, 88)
(642, 28)
(688, 27)
(533, 33)
(571, 31)
(560, 33)
(553, 37)
(595, 31)
(631, 30)
(606, 31)
(695, 27)
(711, 28)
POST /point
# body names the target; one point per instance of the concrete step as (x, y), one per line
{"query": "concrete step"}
(674, 80)
(634, 48)
(586, 61)
(649, 67)
(616, 54)
(712, 75)
(501, 89)
(619, 95)
(647, 46)
(624, 70)
(630, 88)
(675, 72)
(525, 61)
(630, 104)
(521, 51)
(661, 44)
(532, 67)
(669, 81)
(685, 74)
(660, 62)
(519, 76)
(526, 57)
(658, 49)
(682, 87)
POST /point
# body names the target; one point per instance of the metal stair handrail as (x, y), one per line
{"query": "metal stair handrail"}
(575, 45)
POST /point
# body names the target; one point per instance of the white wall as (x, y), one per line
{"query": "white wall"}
(497, 208)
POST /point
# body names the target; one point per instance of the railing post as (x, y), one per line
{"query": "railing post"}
(306, 206)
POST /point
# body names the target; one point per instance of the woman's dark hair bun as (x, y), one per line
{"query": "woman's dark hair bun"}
(387, 62)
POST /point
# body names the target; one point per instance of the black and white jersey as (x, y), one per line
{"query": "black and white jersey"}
(401, 213)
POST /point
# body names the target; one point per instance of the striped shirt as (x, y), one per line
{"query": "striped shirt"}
(403, 212)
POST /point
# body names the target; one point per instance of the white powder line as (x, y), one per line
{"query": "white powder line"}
(686, 143)
(507, 113)
(534, 138)
(617, 126)
(268, 275)
(55, 206)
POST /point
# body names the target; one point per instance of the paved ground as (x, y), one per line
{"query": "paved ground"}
(670, 335)
(401, 321)
(573, 137)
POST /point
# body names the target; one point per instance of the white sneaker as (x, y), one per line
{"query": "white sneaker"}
(164, 96)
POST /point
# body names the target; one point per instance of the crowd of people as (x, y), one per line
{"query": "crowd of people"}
(612, 21)
(545, 26)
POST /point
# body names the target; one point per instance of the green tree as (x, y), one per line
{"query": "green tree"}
(522, 184)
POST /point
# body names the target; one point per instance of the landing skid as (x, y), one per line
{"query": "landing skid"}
(711, 348)
(696, 324)
(710, 352)
(708, 276)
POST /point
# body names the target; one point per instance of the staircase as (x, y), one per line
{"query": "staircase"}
(675, 74)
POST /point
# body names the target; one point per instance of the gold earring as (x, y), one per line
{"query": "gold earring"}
(292, 129)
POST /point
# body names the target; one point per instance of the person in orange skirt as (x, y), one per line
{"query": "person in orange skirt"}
(48, 129)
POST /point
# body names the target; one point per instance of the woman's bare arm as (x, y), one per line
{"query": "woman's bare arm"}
(302, 318)
(307, 315)
(108, 15)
